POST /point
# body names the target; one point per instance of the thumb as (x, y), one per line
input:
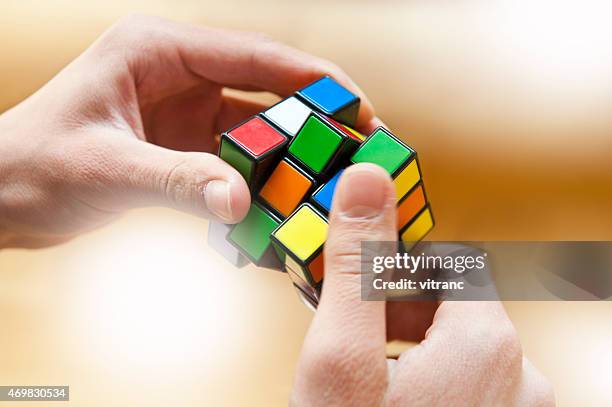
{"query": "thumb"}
(143, 174)
(344, 353)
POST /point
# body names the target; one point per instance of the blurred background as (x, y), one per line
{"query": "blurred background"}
(508, 104)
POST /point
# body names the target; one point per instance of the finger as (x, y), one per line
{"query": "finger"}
(230, 58)
(470, 344)
(344, 352)
(185, 121)
(409, 320)
(368, 127)
(124, 173)
(234, 110)
(246, 59)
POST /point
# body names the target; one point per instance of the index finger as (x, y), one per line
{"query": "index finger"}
(247, 61)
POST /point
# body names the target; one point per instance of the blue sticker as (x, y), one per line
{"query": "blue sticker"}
(328, 95)
(324, 195)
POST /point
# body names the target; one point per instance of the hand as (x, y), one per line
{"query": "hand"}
(102, 136)
(470, 355)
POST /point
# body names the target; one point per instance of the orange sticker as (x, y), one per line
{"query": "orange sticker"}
(285, 188)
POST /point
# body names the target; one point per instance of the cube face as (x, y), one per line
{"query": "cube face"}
(217, 239)
(316, 144)
(252, 235)
(383, 149)
(302, 234)
(331, 98)
(289, 115)
(324, 195)
(286, 188)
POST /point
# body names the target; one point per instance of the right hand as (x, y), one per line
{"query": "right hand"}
(470, 356)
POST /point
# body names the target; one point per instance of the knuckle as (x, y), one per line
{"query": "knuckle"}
(260, 38)
(177, 182)
(504, 349)
(342, 366)
(186, 178)
(329, 68)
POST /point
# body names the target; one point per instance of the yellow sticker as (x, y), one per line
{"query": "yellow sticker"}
(407, 179)
(419, 228)
(303, 233)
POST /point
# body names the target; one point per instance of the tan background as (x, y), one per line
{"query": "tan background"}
(508, 104)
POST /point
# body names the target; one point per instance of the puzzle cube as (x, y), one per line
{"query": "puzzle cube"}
(292, 156)
(299, 239)
(322, 145)
(389, 152)
(329, 97)
(253, 149)
(286, 188)
(252, 236)
(217, 239)
(288, 115)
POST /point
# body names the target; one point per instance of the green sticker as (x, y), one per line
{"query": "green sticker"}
(253, 233)
(237, 159)
(315, 144)
(383, 150)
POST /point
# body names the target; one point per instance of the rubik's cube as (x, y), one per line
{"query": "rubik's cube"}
(291, 157)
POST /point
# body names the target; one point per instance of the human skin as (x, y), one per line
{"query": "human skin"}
(469, 353)
(131, 122)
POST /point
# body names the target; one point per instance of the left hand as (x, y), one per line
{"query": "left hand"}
(109, 132)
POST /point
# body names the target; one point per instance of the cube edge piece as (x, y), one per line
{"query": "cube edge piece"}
(278, 126)
(271, 259)
(265, 159)
(338, 154)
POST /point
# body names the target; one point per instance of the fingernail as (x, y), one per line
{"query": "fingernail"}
(218, 199)
(363, 192)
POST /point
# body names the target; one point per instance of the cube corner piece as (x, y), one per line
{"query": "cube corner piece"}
(301, 238)
(329, 97)
(400, 160)
(252, 147)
